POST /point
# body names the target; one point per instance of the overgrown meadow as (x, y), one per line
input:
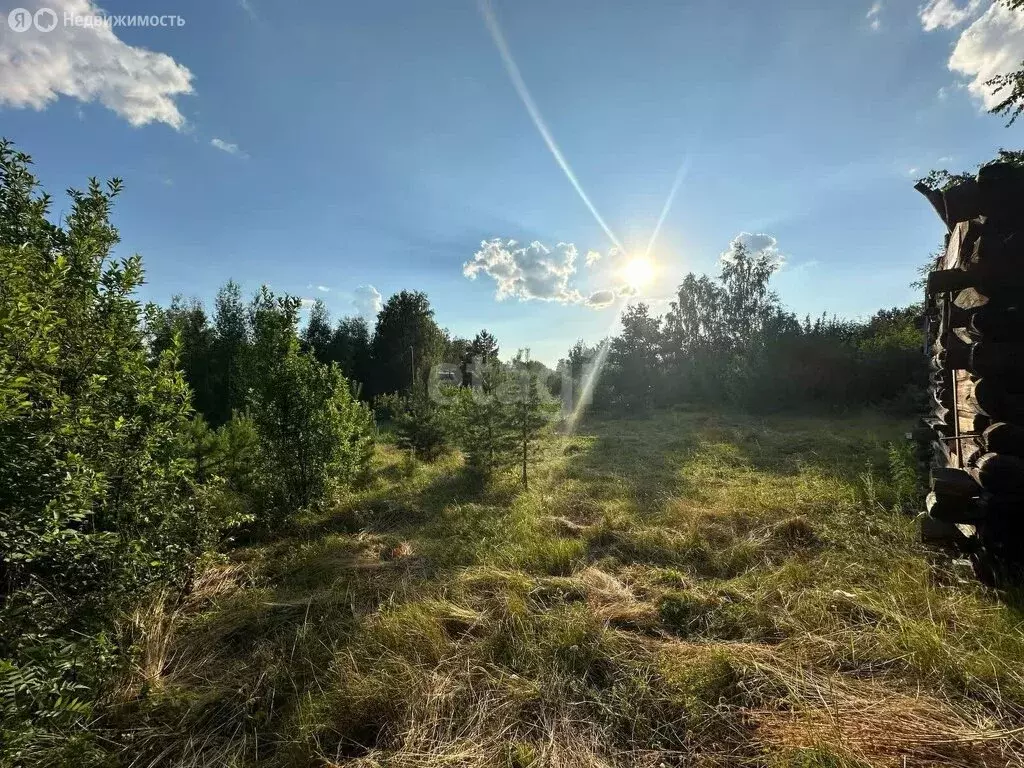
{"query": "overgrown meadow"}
(229, 538)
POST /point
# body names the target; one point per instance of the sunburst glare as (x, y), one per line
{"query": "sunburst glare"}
(639, 272)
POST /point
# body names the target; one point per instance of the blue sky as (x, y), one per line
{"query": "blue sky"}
(342, 145)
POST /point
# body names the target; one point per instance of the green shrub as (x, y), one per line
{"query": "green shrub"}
(313, 433)
(99, 495)
(423, 427)
(226, 461)
(388, 406)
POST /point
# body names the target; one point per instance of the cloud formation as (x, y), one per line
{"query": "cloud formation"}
(992, 45)
(536, 272)
(946, 14)
(757, 245)
(367, 301)
(527, 272)
(874, 15)
(600, 299)
(227, 146)
(89, 64)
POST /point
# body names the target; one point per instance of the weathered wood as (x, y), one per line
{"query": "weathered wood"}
(962, 202)
(1000, 473)
(974, 339)
(998, 323)
(1004, 438)
(1001, 186)
(954, 509)
(991, 397)
(958, 316)
(943, 396)
(950, 481)
(994, 248)
(948, 280)
(996, 359)
(935, 198)
(962, 241)
(970, 298)
(938, 531)
(1002, 507)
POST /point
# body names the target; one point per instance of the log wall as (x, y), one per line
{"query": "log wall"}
(972, 438)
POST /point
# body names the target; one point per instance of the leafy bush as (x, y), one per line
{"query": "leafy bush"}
(313, 433)
(99, 495)
(387, 407)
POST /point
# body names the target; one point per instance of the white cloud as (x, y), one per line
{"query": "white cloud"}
(527, 272)
(323, 288)
(368, 301)
(90, 64)
(874, 15)
(600, 299)
(227, 146)
(993, 45)
(247, 7)
(946, 13)
(757, 245)
(538, 272)
(306, 303)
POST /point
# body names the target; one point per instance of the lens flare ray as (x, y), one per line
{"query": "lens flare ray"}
(515, 76)
(524, 94)
(676, 183)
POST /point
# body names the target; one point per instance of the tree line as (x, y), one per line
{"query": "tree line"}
(730, 342)
(218, 351)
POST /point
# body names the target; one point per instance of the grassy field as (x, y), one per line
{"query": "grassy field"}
(687, 589)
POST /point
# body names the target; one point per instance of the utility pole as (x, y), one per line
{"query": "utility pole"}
(412, 370)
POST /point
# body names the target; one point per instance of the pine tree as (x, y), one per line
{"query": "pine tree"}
(529, 415)
(316, 336)
(230, 353)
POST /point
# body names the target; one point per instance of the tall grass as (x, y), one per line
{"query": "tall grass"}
(682, 590)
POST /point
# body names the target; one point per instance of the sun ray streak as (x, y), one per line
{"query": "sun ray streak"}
(524, 94)
(587, 385)
(684, 167)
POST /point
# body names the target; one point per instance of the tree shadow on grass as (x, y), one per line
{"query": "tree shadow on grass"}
(399, 504)
(646, 459)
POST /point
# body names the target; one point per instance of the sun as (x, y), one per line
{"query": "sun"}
(638, 272)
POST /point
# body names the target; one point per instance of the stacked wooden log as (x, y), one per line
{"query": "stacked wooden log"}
(973, 437)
